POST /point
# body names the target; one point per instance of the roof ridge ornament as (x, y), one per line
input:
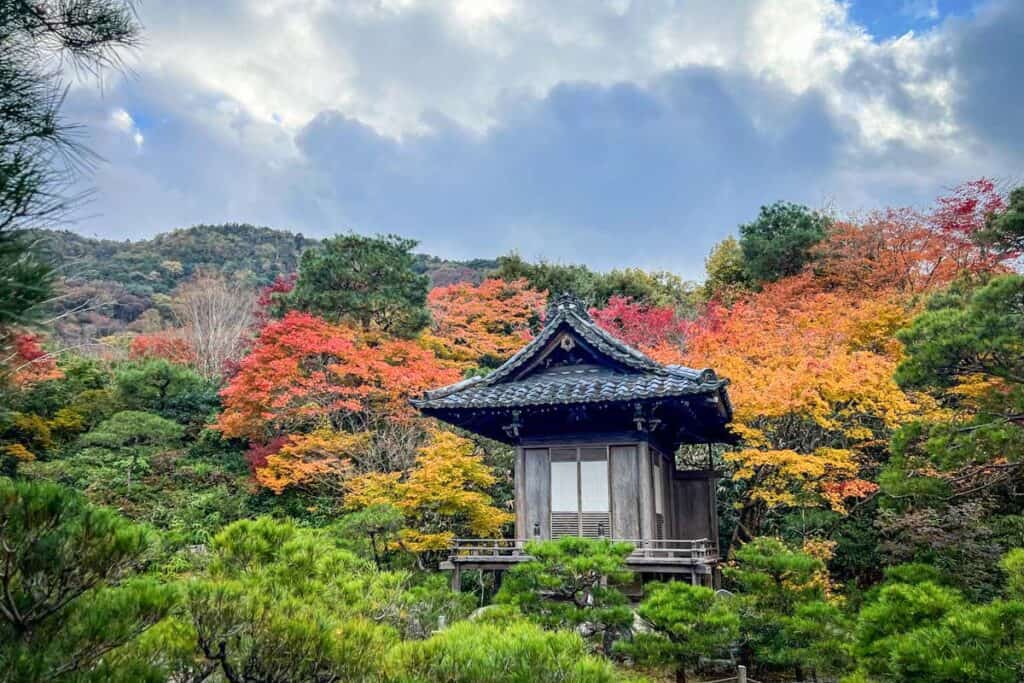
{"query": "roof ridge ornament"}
(567, 302)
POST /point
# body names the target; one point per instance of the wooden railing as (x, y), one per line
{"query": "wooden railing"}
(681, 551)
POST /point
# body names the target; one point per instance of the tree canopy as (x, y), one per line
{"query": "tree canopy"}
(370, 281)
(778, 242)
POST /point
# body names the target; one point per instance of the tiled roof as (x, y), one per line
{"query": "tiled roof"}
(630, 376)
(566, 385)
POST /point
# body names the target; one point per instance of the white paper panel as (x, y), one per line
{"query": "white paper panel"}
(563, 487)
(594, 485)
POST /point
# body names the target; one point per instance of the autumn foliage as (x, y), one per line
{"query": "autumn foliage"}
(658, 331)
(318, 460)
(28, 363)
(812, 356)
(485, 323)
(304, 371)
(167, 344)
(443, 495)
(316, 382)
(812, 384)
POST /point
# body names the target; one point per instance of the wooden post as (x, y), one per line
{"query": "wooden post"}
(519, 500)
(457, 578)
(646, 490)
(741, 674)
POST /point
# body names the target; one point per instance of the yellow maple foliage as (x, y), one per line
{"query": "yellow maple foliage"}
(320, 459)
(813, 390)
(18, 452)
(442, 495)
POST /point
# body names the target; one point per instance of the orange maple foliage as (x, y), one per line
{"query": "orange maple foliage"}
(897, 249)
(303, 371)
(813, 355)
(443, 494)
(485, 322)
(307, 391)
(170, 345)
(29, 363)
(320, 460)
(812, 385)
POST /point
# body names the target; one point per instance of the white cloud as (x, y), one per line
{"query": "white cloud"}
(122, 121)
(386, 63)
(430, 101)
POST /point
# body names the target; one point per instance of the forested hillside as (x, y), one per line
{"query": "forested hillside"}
(109, 287)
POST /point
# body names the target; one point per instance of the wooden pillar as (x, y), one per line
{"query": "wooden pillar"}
(457, 578)
(646, 492)
(520, 494)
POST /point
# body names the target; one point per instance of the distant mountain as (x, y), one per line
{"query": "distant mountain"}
(112, 286)
(157, 265)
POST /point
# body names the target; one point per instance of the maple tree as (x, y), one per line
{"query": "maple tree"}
(321, 459)
(442, 495)
(658, 331)
(167, 344)
(903, 250)
(484, 324)
(318, 382)
(304, 371)
(28, 362)
(813, 391)
(271, 300)
(813, 355)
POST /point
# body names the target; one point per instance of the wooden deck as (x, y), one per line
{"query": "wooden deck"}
(695, 558)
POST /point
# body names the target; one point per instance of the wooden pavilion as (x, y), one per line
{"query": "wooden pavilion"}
(596, 425)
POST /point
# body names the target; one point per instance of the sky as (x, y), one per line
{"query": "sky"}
(607, 132)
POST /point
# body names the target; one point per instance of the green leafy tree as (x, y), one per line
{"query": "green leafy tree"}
(952, 477)
(572, 581)
(774, 582)
(1005, 230)
(370, 281)
(132, 437)
(377, 525)
(778, 242)
(251, 638)
(516, 651)
(279, 602)
(914, 629)
(1013, 564)
(687, 623)
(898, 609)
(69, 586)
(658, 289)
(38, 153)
(968, 333)
(553, 278)
(170, 390)
(726, 272)
(982, 644)
(818, 634)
